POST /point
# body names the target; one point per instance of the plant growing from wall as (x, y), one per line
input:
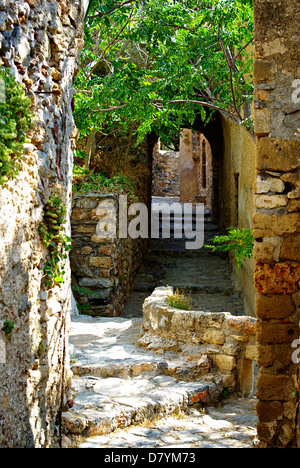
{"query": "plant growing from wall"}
(15, 121)
(86, 181)
(8, 327)
(179, 300)
(53, 238)
(238, 241)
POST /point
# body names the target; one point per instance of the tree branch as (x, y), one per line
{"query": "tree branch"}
(231, 64)
(115, 7)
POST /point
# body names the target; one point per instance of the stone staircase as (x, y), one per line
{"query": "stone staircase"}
(116, 383)
(176, 223)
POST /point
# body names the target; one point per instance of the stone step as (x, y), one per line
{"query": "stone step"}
(105, 405)
(175, 366)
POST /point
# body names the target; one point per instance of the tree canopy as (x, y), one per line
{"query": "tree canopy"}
(157, 64)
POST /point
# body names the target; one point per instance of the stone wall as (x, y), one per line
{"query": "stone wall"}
(39, 42)
(165, 173)
(277, 219)
(103, 267)
(237, 175)
(225, 344)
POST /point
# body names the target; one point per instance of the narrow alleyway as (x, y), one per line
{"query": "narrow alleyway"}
(126, 396)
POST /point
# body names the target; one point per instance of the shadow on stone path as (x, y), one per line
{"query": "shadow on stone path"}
(126, 396)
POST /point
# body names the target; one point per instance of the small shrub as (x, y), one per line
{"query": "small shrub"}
(238, 241)
(8, 327)
(86, 181)
(178, 300)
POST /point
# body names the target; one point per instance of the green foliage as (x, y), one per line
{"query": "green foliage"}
(238, 241)
(179, 300)
(85, 181)
(15, 121)
(8, 327)
(160, 64)
(51, 233)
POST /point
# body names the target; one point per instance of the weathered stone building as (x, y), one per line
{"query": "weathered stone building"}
(39, 41)
(277, 219)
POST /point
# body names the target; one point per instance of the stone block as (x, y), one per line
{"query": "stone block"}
(79, 214)
(85, 229)
(266, 432)
(269, 411)
(106, 250)
(272, 333)
(291, 248)
(274, 387)
(86, 250)
(293, 205)
(101, 262)
(262, 121)
(214, 337)
(95, 283)
(267, 251)
(281, 278)
(225, 363)
(265, 184)
(265, 355)
(273, 225)
(251, 352)
(245, 325)
(269, 202)
(102, 240)
(274, 306)
(263, 70)
(277, 155)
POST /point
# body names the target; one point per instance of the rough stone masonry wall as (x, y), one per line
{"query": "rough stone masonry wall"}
(103, 267)
(219, 343)
(277, 219)
(39, 42)
(165, 173)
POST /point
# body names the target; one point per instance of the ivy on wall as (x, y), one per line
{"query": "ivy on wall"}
(15, 121)
(51, 233)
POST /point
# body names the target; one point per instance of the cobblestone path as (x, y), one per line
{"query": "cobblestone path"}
(126, 396)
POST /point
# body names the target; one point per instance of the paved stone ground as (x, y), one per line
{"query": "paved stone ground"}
(126, 396)
(129, 397)
(231, 424)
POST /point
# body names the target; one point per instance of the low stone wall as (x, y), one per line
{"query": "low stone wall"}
(103, 268)
(226, 341)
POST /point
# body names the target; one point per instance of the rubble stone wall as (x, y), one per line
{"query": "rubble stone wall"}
(226, 343)
(103, 267)
(39, 42)
(165, 173)
(277, 219)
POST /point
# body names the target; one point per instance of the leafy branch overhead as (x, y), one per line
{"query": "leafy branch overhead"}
(160, 63)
